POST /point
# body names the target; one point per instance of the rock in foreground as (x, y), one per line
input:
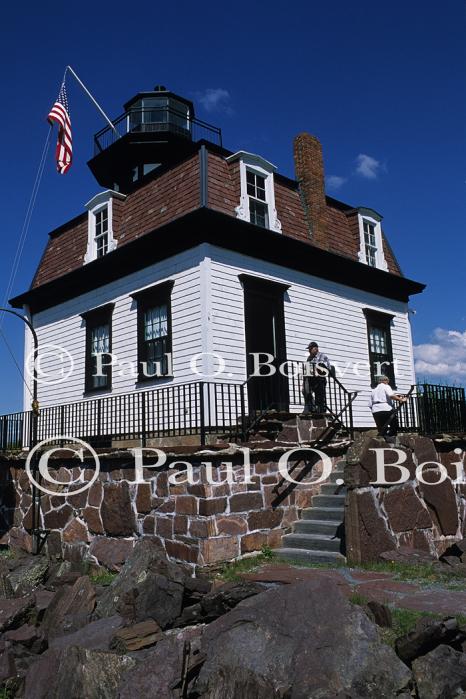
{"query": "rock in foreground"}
(303, 640)
(148, 587)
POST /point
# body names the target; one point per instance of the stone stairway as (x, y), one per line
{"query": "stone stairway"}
(318, 537)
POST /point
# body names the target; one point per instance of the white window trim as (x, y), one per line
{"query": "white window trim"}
(96, 204)
(259, 166)
(375, 219)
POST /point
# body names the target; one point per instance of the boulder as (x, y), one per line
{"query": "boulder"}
(6, 588)
(380, 614)
(136, 637)
(13, 612)
(26, 577)
(440, 674)
(161, 670)
(70, 609)
(426, 635)
(299, 640)
(148, 587)
(218, 602)
(95, 636)
(28, 636)
(111, 553)
(76, 672)
(7, 665)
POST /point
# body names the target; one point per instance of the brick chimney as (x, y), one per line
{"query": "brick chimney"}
(309, 169)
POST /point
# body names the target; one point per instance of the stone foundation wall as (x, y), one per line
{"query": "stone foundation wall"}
(426, 516)
(200, 524)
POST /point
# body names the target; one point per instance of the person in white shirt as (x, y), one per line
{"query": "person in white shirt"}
(382, 406)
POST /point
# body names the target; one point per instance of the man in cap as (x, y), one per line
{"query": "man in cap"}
(316, 370)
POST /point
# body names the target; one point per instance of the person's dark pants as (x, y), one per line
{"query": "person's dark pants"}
(315, 398)
(381, 418)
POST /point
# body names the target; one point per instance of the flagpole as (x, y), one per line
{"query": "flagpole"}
(92, 99)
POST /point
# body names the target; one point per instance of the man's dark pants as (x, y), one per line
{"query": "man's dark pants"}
(381, 418)
(315, 397)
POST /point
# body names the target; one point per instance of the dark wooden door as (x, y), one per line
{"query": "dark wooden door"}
(265, 334)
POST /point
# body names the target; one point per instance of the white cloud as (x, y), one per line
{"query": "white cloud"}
(335, 181)
(215, 100)
(367, 166)
(444, 357)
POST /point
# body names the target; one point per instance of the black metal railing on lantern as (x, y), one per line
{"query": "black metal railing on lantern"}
(154, 120)
(433, 410)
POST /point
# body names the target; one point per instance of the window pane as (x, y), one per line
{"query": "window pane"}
(378, 341)
(155, 322)
(102, 245)
(100, 344)
(258, 213)
(371, 256)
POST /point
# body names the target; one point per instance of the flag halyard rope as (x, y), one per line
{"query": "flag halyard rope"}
(26, 224)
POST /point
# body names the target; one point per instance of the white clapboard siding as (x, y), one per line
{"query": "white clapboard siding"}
(208, 318)
(315, 309)
(62, 325)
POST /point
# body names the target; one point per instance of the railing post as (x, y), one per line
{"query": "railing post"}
(202, 416)
(351, 424)
(143, 419)
(243, 413)
(62, 424)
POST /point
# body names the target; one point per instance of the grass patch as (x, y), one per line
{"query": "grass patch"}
(6, 553)
(422, 573)
(231, 572)
(356, 598)
(104, 579)
(301, 563)
(403, 620)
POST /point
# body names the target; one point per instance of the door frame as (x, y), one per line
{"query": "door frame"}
(274, 292)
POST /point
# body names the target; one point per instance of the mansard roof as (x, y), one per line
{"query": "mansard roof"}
(169, 194)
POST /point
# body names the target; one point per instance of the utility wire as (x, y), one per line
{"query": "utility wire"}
(26, 224)
(15, 361)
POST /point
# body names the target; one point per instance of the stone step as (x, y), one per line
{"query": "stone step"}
(329, 500)
(332, 489)
(335, 476)
(336, 514)
(307, 556)
(311, 542)
(317, 526)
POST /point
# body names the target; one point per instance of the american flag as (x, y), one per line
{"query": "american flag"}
(60, 115)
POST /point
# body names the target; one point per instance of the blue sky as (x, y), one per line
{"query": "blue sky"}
(382, 86)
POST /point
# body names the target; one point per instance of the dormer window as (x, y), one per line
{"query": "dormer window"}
(370, 244)
(101, 232)
(257, 203)
(371, 241)
(101, 238)
(258, 209)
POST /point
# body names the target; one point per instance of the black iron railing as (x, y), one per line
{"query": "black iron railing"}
(433, 409)
(198, 408)
(156, 120)
(229, 409)
(284, 393)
